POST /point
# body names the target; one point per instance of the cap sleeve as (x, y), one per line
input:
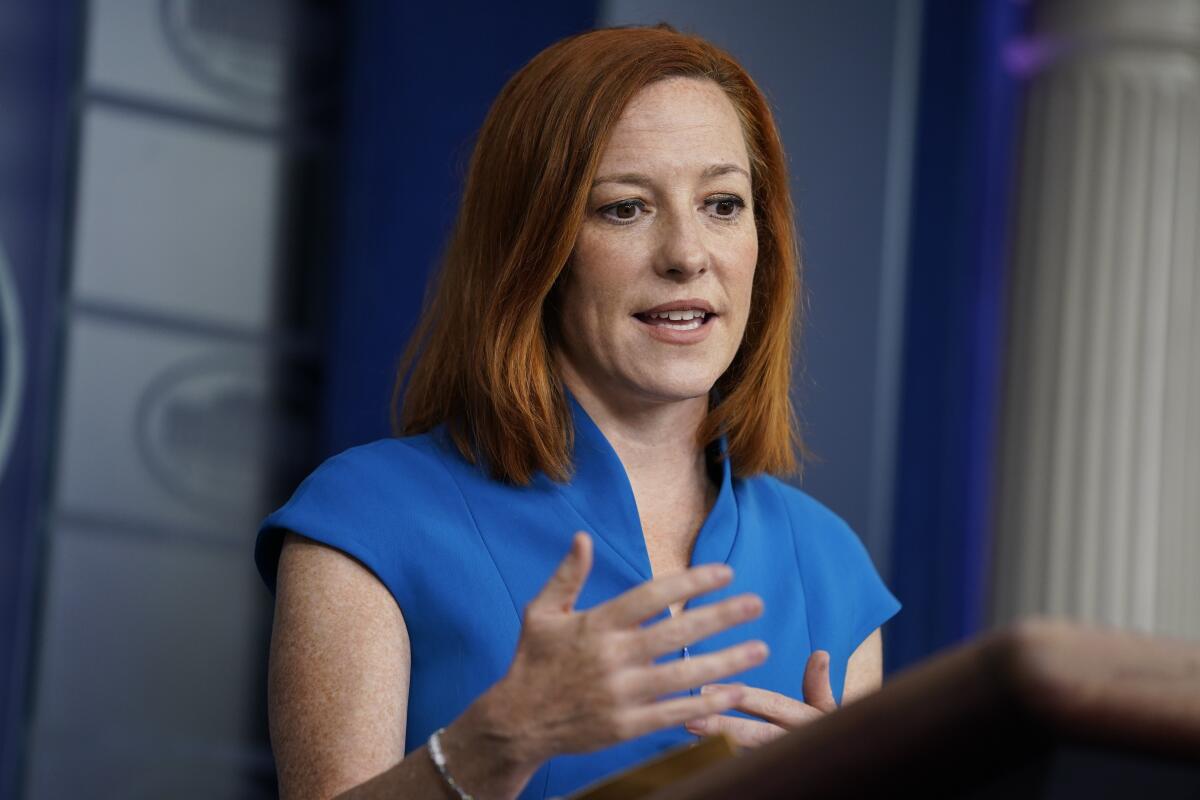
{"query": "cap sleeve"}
(340, 505)
(869, 603)
(845, 595)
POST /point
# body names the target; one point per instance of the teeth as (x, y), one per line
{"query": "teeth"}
(680, 325)
(678, 316)
(685, 320)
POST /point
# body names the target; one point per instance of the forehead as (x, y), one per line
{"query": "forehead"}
(677, 124)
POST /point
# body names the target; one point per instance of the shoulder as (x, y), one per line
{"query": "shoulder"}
(819, 532)
(803, 506)
(410, 455)
(808, 515)
(385, 469)
(376, 502)
(409, 480)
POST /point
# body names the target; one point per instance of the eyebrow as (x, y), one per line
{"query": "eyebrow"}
(638, 179)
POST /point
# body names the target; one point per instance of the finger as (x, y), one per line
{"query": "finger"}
(818, 692)
(562, 590)
(696, 624)
(640, 720)
(744, 732)
(687, 673)
(650, 598)
(778, 709)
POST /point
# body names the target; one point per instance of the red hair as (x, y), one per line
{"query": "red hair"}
(490, 377)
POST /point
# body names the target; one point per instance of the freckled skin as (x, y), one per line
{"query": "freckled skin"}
(340, 652)
(679, 244)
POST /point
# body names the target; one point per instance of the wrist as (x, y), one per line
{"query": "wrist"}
(486, 752)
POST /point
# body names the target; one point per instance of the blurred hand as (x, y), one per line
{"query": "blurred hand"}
(584, 680)
(778, 712)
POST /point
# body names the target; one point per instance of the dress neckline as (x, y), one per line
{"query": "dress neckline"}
(601, 493)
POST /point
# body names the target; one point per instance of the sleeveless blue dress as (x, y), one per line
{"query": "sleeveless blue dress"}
(463, 554)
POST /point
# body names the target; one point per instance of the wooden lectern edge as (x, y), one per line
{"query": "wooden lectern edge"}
(1106, 686)
(1000, 698)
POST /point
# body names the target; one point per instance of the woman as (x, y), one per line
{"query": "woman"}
(603, 371)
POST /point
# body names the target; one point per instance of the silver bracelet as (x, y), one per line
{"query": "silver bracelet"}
(439, 761)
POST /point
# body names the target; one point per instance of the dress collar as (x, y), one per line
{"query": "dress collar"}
(600, 491)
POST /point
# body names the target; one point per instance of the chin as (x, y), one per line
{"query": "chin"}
(684, 388)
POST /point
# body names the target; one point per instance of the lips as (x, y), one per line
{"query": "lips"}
(679, 322)
(689, 314)
(693, 303)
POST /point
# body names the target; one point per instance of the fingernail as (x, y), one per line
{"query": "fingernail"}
(708, 688)
(697, 725)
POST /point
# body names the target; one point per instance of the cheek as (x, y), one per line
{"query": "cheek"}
(751, 263)
(587, 300)
(603, 269)
(743, 260)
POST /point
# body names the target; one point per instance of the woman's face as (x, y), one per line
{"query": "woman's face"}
(655, 298)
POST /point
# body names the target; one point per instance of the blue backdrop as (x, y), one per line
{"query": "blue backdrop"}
(954, 331)
(420, 83)
(37, 79)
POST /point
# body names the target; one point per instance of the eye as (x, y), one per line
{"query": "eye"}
(726, 206)
(623, 212)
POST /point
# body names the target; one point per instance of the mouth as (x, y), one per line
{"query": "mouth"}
(683, 320)
(680, 315)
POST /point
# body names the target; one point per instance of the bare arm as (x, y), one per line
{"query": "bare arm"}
(864, 670)
(340, 667)
(338, 689)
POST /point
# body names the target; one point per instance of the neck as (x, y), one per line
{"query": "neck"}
(655, 440)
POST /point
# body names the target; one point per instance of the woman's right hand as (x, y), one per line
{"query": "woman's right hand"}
(584, 680)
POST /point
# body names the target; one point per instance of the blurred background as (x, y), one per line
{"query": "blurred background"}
(216, 222)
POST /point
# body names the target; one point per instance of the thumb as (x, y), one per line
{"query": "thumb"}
(562, 590)
(818, 692)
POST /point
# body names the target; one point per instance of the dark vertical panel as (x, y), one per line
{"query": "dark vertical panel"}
(953, 330)
(421, 78)
(38, 43)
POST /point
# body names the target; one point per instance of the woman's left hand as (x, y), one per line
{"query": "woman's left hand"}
(779, 712)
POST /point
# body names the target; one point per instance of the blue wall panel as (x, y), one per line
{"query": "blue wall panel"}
(421, 79)
(37, 69)
(953, 330)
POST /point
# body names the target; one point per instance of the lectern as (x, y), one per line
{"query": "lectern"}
(1042, 709)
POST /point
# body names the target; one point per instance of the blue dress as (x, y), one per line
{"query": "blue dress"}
(463, 554)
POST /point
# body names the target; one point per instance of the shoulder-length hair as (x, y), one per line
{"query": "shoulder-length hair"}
(481, 362)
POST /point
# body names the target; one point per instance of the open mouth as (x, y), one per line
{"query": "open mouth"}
(683, 320)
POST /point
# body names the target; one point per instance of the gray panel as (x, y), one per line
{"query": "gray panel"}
(209, 57)
(150, 671)
(176, 219)
(163, 428)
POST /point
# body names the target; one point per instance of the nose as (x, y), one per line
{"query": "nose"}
(683, 253)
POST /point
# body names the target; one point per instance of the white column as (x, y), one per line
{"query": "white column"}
(1097, 505)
